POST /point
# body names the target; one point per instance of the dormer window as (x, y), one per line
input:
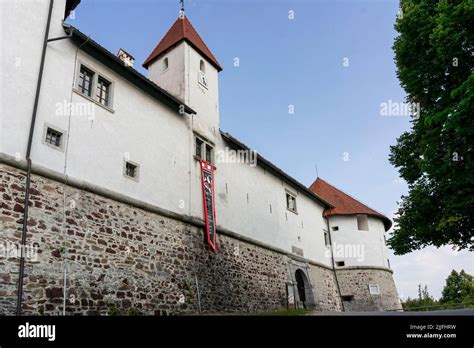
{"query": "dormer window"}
(165, 64)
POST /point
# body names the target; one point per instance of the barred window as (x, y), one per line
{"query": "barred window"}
(131, 170)
(53, 137)
(85, 81)
(103, 91)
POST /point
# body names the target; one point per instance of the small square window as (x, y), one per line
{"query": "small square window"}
(53, 137)
(374, 289)
(347, 298)
(340, 263)
(362, 223)
(335, 228)
(131, 170)
(291, 202)
(103, 91)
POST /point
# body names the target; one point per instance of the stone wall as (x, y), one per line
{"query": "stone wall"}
(356, 282)
(325, 290)
(124, 260)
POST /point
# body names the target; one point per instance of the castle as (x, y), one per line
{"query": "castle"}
(113, 172)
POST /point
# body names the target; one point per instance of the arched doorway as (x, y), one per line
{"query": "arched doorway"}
(300, 285)
(301, 292)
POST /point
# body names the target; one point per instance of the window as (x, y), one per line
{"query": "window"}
(335, 228)
(165, 64)
(327, 241)
(340, 263)
(208, 153)
(291, 202)
(388, 263)
(347, 298)
(103, 91)
(199, 143)
(88, 81)
(85, 81)
(204, 150)
(362, 223)
(202, 78)
(53, 137)
(131, 170)
(374, 289)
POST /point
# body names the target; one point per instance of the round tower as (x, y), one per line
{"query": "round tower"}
(356, 242)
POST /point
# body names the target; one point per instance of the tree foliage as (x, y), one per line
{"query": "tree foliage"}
(457, 293)
(434, 56)
(422, 303)
(459, 288)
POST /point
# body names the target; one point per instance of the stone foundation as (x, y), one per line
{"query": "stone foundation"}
(355, 282)
(325, 290)
(120, 259)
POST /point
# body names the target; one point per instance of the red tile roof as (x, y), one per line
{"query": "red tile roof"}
(182, 29)
(343, 203)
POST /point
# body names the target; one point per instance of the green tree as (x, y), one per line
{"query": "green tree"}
(434, 56)
(421, 304)
(459, 288)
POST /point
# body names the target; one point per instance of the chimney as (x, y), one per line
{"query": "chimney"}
(126, 57)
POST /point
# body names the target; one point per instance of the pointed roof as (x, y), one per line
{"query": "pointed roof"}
(182, 29)
(343, 203)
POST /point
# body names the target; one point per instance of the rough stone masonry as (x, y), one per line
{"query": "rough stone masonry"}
(123, 260)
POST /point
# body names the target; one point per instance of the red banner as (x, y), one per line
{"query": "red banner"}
(207, 178)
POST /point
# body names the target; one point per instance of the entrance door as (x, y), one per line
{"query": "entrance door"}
(300, 285)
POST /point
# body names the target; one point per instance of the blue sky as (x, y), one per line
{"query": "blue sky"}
(297, 62)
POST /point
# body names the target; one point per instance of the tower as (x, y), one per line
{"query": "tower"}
(183, 65)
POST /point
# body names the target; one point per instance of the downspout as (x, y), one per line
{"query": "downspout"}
(28, 162)
(334, 265)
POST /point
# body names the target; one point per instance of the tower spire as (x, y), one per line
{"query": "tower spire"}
(181, 11)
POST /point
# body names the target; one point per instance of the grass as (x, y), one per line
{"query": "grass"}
(283, 313)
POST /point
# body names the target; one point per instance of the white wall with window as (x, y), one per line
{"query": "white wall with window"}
(360, 232)
(115, 122)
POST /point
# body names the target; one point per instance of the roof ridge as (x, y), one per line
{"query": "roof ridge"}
(350, 196)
